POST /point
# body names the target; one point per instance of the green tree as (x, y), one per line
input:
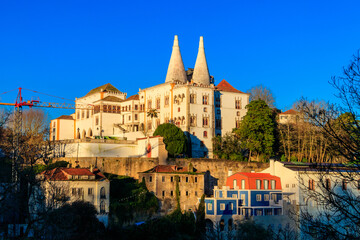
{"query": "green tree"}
(174, 138)
(228, 147)
(257, 131)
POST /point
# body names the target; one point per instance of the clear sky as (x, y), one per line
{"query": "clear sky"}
(66, 48)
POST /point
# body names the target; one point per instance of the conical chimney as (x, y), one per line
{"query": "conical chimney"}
(201, 74)
(176, 71)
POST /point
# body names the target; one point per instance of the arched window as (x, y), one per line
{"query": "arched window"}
(102, 193)
(205, 134)
(102, 207)
(234, 183)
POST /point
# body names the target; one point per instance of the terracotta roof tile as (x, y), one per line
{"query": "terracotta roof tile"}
(226, 87)
(61, 174)
(133, 97)
(291, 111)
(110, 99)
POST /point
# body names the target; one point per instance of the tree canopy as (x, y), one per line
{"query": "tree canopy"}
(174, 138)
(257, 131)
(261, 92)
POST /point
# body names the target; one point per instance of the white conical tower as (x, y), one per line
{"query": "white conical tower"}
(201, 72)
(176, 71)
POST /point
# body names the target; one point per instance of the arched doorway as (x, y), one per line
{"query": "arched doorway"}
(83, 134)
(90, 132)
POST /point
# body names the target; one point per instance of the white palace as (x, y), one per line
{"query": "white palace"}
(189, 99)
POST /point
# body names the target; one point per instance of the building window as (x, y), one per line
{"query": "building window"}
(222, 206)
(218, 123)
(171, 193)
(258, 197)
(234, 183)
(237, 123)
(209, 206)
(205, 121)
(195, 179)
(158, 103)
(205, 109)
(96, 109)
(217, 102)
(192, 98)
(311, 184)
(90, 191)
(136, 117)
(83, 114)
(150, 179)
(171, 179)
(238, 104)
(243, 184)
(258, 184)
(102, 193)
(136, 107)
(102, 207)
(178, 109)
(166, 101)
(293, 185)
(196, 193)
(266, 184)
(273, 184)
(205, 100)
(187, 193)
(163, 193)
(258, 212)
(327, 184)
(205, 134)
(287, 185)
(163, 178)
(344, 184)
(238, 113)
(97, 121)
(87, 113)
(266, 197)
(149, 104)
(193, 121)
(187, 179)
(129, 118)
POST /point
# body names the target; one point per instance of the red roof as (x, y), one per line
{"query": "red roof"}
(133, 97)
(58, 174)
(226, 87)
(250, 180)
(291, 111)
(167, 169)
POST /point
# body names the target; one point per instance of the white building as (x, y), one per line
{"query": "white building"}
(190, 99)
(64, 185)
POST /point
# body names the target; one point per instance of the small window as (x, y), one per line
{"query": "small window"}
(196, 193)
(311, 184)
(222, 206)
(293, 185)
(163, 178)
(150, 179)
(243, 184)
(234, 183)
(266, 197)
(266, 184)
(258, 197)
(187, 193)
(209, 206)
(163, 193)
(327, 184)
(187, 179)
(90, 191)
(171, 179)
(205, 109)
(171, 193)
(344, 184)
(195, 179)
(205, 134)
(287, 185)
(273, 184)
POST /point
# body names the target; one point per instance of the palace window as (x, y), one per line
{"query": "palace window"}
(83, 114)
(238, 104)
(237, 123)
(163, 178)
(266, 197)
(97, 121)
(149, 104)
(205, 121)
(273, 184)
(90, 191)
(205, 100)
(96, 109)
(136, 117)
(205, 134)
(158, 103)
(192, 98)
(266, 184)
(258, 184)
(193, 121)
(258, 197)
(87, 113)
(166, 101)
(311, 184)
(118, 109)
(222, 206)
(136, 107)
(327, 184)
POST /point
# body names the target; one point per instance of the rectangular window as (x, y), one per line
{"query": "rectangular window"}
(163, 178)
(231, 206)
(149, 104)
(166, 101)
(328, 184)
(196, 193)
(238, 104)
(258, 197)
(258, 184)
(136, 107)
(195, 179)
(193, 121)
(242, 197)
(90, 191)
(205, 121)
(205, 100)
(163, 193)
(73, 191)
(171, 193)
(171, 179)
(158, 103)
(82, 114)
(192, 98)
(209, 206)
(187, 193)
(237, 123)
(311, 184)
(222, 206)
(217, 102)
(187, 179)
(150, 179)
(136, 117)
(87, 113)
(243, 184)
(96, 109)
(266, 197)
(97, 121)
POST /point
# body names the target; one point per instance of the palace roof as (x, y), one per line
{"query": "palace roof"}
(110, 99)
(226, 87)
(62, 174)
(104, 88)
(290, 112)
(251, 178)
(133, 97)
(65, 117)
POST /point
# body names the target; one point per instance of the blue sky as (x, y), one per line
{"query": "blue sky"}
(66, 48)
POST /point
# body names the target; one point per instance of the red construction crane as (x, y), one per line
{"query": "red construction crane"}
(19, 104)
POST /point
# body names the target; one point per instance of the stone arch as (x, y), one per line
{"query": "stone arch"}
(83, 135)
(90, 132)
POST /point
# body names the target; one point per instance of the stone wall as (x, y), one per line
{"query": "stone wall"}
(217, 170)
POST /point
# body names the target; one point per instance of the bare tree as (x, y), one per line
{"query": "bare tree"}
(261, 92)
